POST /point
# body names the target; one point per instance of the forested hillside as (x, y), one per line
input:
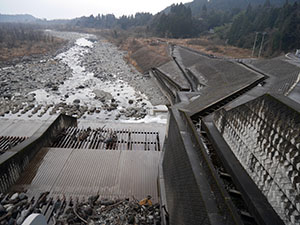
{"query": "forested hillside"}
(281, 27)
(225, 5)
(278, 23)
(236, 22)
(110, 21)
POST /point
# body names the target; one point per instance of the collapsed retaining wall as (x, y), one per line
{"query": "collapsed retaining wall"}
(193, 192)
(14, 161)
(264, 136)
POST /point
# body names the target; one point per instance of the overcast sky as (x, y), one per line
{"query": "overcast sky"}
(61, 9)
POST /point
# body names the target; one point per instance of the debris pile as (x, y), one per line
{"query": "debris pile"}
(14, 209)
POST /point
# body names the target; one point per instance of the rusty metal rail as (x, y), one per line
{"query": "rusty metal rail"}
(7, 142)
(108, 139)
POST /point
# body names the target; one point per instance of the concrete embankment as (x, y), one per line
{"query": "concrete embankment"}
(14, 161)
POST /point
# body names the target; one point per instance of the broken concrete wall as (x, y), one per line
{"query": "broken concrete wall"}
(192, 189)
(264, 136)
(14, 161)
(185, 204)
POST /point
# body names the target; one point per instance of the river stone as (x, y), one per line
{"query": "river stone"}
(14, 196)
(102, 95)
(30, 98)
(76, 101)
(2, 210)
(22, 196)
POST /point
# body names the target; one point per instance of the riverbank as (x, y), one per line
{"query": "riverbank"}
(88, 80)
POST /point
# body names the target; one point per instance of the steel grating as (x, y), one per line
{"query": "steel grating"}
(109, 139)
(7, 142)
(81, 173)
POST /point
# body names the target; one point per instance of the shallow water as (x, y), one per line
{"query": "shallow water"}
(82, 84)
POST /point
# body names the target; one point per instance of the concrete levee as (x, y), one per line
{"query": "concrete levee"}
(192, 191)
(15, 160)
(166, 87)
(283, 76)
(264, 136)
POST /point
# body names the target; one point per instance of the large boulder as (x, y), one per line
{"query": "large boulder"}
(102, 95)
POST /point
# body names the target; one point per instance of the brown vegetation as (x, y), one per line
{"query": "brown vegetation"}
(19, 40)
(28, 48)
(147, 52)
(213, 47)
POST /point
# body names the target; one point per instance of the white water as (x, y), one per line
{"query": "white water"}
(120, 90)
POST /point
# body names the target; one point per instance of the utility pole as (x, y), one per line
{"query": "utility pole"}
(261, 44)
(254, 44)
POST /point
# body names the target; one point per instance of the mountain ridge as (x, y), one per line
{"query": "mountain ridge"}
(17, 18)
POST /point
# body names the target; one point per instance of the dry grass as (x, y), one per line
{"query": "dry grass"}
(212, 47)
(145, 53)
(28, 48)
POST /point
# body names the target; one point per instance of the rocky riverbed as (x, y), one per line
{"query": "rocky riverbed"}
(88, 79)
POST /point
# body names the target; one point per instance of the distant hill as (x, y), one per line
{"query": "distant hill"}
(19, 18)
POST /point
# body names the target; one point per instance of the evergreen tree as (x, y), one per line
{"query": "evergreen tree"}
(267, 4)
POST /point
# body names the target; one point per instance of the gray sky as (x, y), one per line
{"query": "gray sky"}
(61, 9)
